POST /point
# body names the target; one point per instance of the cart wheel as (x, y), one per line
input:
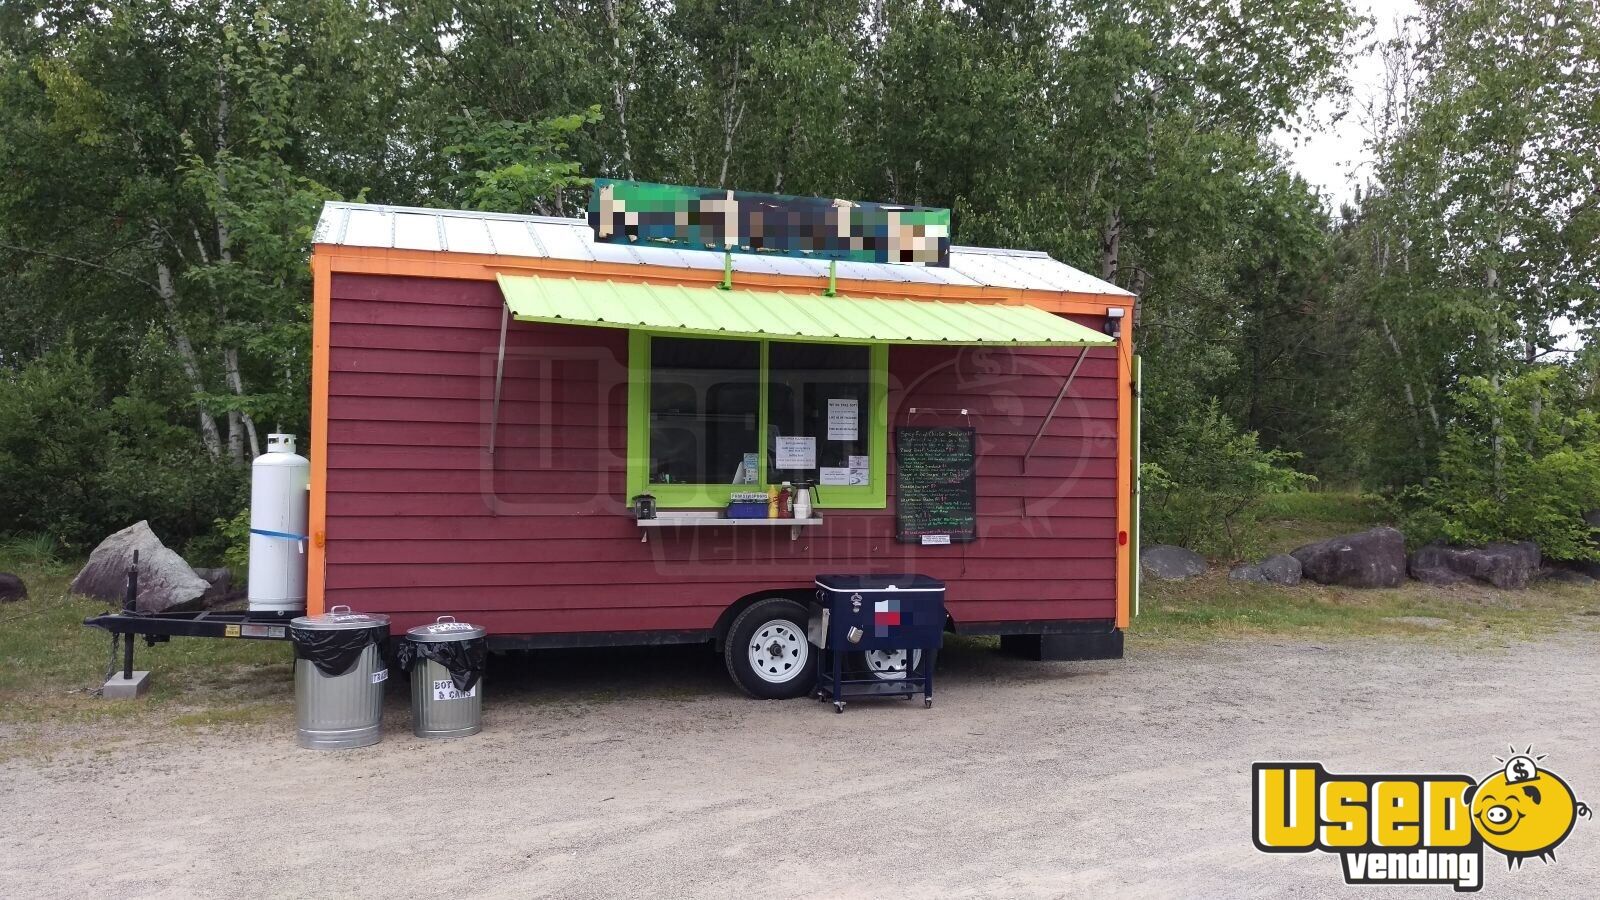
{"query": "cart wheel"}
(885, 665)
(928, 703)
(838, 707)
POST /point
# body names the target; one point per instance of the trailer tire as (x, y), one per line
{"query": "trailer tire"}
(767, 653)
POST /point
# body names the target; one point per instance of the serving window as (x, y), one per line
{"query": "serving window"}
(711, 416)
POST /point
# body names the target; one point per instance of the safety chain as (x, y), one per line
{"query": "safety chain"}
(111, 664)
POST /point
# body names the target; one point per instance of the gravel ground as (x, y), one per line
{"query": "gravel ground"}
(639, 773)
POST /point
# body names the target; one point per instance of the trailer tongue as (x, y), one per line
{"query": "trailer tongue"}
(158, 628)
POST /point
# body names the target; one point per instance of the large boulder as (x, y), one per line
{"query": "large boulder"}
(220, 591)
(12, 588)
(1568, 574)
(1502, 565)
(1281, 569)
(1248, 573)
(166, 583)
(1585, 567)
(1171, 563)
(1369, 559)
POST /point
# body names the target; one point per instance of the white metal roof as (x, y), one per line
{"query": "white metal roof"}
(467, 231)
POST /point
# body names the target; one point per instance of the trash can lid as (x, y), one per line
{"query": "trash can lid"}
(339, 618)
(901, 582)
(445, 629)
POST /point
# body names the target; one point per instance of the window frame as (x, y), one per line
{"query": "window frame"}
(873, 495)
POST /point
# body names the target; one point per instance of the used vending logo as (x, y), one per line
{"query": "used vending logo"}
(1415, 829)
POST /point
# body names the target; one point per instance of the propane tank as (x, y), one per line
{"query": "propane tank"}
(279, 480)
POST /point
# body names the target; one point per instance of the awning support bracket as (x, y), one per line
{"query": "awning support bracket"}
(1065, 386)
(499, 373)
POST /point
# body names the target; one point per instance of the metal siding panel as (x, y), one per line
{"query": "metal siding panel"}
(466, 235)
(414, 231)
(710, 311)
(562, 241)
(511, 238)
(367, 227)
(614, 253)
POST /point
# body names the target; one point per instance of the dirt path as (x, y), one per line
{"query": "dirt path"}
(1026, 779)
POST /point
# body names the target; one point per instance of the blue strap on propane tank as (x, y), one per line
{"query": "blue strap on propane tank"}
(279, 535)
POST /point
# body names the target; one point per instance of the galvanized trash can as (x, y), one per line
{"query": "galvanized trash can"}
(339, 673)
(446, 661)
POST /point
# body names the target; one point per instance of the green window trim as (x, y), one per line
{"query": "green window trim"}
(873, 495)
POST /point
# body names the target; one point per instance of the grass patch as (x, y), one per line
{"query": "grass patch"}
(51, 665)
(1298, 518)
(1214, 606)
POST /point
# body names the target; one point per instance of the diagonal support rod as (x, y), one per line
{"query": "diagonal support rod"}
(1065, 385)
(499, 372)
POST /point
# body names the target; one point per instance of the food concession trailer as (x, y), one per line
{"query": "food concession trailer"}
(492, 392)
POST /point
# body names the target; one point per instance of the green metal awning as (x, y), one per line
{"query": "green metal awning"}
(713, 312)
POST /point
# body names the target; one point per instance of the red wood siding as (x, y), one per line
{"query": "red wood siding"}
(537, 538)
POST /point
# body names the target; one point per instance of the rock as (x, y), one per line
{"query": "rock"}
(1369, 559)
(1564, 575)
(12, 588)
(1171, 563)
(1281, 569)
(166, 583)
(1502, 565)
(221, 581)
(1585, 567)
(1252, 574)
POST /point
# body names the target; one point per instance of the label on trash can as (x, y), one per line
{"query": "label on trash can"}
(380, 675)
(446, 689)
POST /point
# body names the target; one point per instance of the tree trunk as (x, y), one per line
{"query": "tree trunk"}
(618, 94)
(190, 361)
(1111, 244)
(230, 355)
(732, 113)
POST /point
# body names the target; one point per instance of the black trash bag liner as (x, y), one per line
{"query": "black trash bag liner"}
(335, 651)
(465, 659)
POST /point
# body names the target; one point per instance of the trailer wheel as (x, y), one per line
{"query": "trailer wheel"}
(885, 665)
(767, 652)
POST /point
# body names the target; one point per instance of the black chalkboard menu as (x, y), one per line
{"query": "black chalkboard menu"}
(935, 488)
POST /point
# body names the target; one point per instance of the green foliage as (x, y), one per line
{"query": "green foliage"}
(164, 164)
(1520, 462)
(519, 167)
(1208, 490)
(76, 467)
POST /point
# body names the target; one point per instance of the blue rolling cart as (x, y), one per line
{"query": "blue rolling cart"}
(860, 614)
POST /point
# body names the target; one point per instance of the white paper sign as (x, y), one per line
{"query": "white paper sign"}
(746, 473)
(842, 419)
(935, 539)
(841, 475)
(797, 453)
(446, 690)
(858, 462)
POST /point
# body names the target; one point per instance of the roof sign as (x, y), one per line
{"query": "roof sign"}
(691, 218)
